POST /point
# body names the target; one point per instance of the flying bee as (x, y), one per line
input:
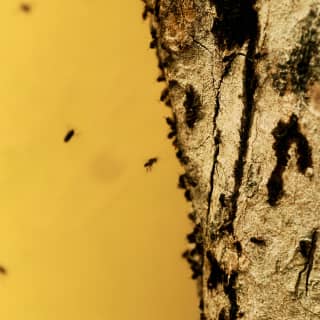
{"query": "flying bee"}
(148, 165)
(69, 136)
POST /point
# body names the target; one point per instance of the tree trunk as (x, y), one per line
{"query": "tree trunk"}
(242, 79)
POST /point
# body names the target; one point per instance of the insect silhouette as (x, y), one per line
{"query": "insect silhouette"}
(68, 136)
(25, 7)
(148, 165)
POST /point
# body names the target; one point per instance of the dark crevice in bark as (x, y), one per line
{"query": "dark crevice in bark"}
(310, 258)
(250, 82)
(231, 292)
(237, 22)
(307, 249)
(222, 314)
(219, 276)
(285, 134)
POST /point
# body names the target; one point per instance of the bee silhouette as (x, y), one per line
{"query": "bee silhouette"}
(148, 165)
(68, 136)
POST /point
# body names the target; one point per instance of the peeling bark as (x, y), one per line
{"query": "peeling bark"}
(243, 81)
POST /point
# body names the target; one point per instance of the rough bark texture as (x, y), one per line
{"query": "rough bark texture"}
(242, 78)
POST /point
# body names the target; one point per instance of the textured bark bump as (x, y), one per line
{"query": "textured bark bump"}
(303, 66)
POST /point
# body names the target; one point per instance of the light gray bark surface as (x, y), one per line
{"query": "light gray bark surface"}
(243, 80)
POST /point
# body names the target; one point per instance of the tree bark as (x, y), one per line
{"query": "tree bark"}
(242, 78)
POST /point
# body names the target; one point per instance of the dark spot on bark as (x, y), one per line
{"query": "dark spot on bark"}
(217, 274)
(172, 84)
(305, 247)
(235, 22)
(192, 106)
(222, 200)
(285, 134)
(201, 304)
(222, 314)
(258, 241)
(203, 316)
(238, 247)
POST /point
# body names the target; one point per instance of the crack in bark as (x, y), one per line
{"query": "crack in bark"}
(217, 138)
(215, 161)
(309, 256)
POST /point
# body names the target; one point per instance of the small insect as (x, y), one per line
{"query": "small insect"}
(148, 165)
(161, 78)
(25, 7)
(188, 195)
(192, 216)
(153, 44)
(147, 10)
(69, 136)
(173, 126)
(164, 94)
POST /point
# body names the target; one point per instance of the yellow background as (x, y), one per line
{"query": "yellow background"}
(85, 231)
